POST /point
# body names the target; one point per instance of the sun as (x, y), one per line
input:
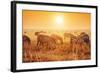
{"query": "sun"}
(59, 20)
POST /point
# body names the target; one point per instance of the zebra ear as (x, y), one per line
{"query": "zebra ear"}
(36, 33)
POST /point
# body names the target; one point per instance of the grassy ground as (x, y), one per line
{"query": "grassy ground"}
(62, 52)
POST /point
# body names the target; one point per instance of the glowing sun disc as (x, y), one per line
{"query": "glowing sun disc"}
(59, 20)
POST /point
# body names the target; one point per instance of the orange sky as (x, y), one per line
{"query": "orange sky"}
(56, 20)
